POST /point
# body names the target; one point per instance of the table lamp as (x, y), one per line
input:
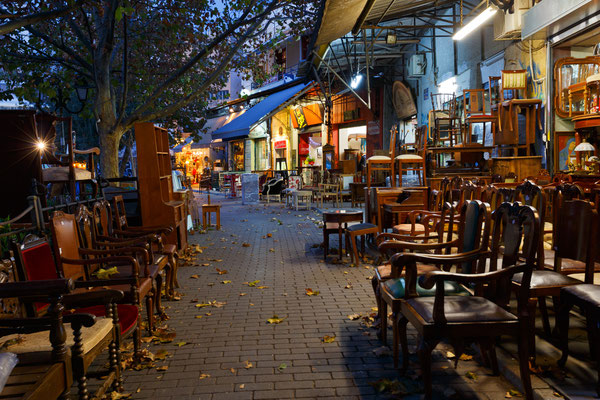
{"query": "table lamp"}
(584, 150)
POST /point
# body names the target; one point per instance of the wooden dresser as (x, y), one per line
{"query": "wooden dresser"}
(158, 203)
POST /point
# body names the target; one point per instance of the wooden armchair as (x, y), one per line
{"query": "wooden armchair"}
(41, 376)
(34, 261)
(471, 245)
(157, 264)
(80, 263)
(483, 317)
(122, 229)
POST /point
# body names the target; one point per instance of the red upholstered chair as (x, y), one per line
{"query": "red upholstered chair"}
(34, 262)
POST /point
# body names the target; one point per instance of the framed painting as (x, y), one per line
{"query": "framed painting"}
(564, 150)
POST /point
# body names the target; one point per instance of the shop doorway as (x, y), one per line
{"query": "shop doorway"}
(352, 142)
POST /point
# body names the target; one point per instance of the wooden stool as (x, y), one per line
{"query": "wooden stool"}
(359, 230)
(210, 208)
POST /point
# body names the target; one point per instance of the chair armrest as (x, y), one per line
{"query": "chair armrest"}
(433, 277)
(105, 260)
(385, 236)
(400, 246)
(49, 287)
(118, 251)
(91, 150)
(92, 298)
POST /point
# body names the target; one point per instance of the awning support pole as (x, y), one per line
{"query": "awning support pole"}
(342, 80)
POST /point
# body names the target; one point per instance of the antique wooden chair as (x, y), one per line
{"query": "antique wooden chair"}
(476, 112)
(157, 235)
(80, 263)
(474, 220)
(48, 375)
(383, 163)
(483, 317)
(447, 122)
(34, 261)
(576, 233)
(417, 158)
(587, 297)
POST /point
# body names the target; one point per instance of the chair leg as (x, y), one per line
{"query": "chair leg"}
(523, 349)
(204, 220)
(425, 348)
(218, 216)
(402, 322)
(356, 260)
(158, 298)
(531, 330)
(544, 312)
(382, 310)
(150, 313)
(562, 324)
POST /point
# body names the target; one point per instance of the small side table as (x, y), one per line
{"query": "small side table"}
(302, 198)
(210, 208)
(335, 221)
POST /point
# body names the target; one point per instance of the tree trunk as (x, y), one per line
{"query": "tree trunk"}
(128, 142)
(109, 155)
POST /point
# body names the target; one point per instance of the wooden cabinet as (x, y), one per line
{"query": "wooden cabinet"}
(521, 166)
(157, 201)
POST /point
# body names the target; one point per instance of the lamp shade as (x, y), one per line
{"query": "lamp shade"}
(584, 146)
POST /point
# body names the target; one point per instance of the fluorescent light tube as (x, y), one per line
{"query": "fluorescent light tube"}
(475, 23)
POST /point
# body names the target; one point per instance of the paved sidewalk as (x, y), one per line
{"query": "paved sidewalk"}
(228, 350)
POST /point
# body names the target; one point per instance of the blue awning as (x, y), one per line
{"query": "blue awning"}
(240, 127)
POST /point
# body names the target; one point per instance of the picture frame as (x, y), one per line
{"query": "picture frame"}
(564, 145)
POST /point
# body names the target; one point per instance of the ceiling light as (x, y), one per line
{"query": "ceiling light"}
(356, 81)
(475, 23)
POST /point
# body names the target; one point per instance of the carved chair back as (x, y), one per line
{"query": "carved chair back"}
(65, 237)
(515, 237)
(576, 235)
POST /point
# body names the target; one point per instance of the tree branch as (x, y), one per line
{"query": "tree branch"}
(201, 54)
(62, 47)
(209, 80)
(35, 18)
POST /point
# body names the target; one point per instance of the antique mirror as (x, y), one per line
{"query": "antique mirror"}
(570, 79)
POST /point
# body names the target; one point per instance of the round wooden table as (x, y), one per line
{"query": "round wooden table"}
(339, 218)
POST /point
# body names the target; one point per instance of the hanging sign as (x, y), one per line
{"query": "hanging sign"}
(300, 118)
(373, 128)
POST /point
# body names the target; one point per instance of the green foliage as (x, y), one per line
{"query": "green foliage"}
(171, 58)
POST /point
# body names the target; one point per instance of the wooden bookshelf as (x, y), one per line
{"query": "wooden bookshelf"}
(158, 203)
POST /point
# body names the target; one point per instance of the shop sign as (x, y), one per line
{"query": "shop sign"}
(280, 144)
(300, 118)
(373, 128)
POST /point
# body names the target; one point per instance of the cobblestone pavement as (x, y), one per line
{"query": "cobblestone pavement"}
(232, 352)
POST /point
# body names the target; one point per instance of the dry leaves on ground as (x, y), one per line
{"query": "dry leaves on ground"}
(221, 271)
(275, 320)
(248, 364)
(353, 317)
(310, 292)
(252, 284)
(225, 282)
(328, 339)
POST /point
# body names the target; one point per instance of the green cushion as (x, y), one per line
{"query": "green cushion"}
(396, 288)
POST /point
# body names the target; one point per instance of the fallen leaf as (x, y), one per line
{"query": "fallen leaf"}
(375, 309)
(269, 235)
(242, 386)
(179, 344)
(282, 366)
(556, 394)
(353, 317)
(245, 244)
(465, 357)
(450, 354)
(248, 364)
(345, 272)
(221, 271)
(242, 294)
(194, 277)
(252, 284)
(211, 284)
(206, 265)
(328, 339)
(225, 282)
(275, 320)
(388, 385)
(471, 375)
(198, 316)
(348, 286)
(162, 368)
(232, 370)
(262, 287)
(204, 376)
(161, 354)
(310, 292)
(106, 273)
(208, 314)
(370, 277)
(272, 250)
